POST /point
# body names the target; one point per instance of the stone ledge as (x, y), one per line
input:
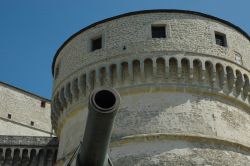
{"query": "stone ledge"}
(28, 141)
(187, 137)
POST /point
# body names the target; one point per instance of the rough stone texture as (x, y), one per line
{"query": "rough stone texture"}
(28, 141)
(177, 153)
(188, 33)
(23, 108)
(183, 85)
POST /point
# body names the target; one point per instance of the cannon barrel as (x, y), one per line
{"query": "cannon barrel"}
(103, 106)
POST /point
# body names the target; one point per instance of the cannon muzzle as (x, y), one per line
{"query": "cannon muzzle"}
(103, 106)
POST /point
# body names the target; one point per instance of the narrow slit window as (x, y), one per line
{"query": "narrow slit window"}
(32, 123)
(43, 104)
(158, 31)
(9, 116)
(96, 43)
(220, 39)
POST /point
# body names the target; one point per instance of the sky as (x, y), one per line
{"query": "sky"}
(31, 31)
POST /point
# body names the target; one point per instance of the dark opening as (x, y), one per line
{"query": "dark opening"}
(105, 99)
(158, 31)
(220, 39)
(56, 72)
(96, 43)
(32, 123)
(43, 104)
(9, 116)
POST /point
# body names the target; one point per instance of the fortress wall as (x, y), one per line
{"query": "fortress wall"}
(184, 86)
(176, 151)
(25, 150)
(148, 112)
(18, 129)
(175, 70)
(23, 109)
(185, 33)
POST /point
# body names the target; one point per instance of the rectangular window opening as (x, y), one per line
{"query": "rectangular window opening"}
(9, 116)
(43, 104)
(96, 43)
(32, 123)
(220, 39)
(158, 31)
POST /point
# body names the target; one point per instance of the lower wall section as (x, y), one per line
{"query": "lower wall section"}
(149, 111)
(13, 128)
(178, 152)
(28, 151)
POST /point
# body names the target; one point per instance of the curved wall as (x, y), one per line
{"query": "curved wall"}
(183, 86)
(185, 32)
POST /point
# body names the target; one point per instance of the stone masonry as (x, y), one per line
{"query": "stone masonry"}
(26, 136)
(27, 150)
(185, 95)
(19, 109)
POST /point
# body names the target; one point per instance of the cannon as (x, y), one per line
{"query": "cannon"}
(103, 106)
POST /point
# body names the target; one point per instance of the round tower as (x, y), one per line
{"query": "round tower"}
(183, 78)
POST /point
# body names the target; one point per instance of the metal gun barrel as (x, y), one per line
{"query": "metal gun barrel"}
(103, 106)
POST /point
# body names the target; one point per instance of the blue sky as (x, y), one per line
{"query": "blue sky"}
(31, 31)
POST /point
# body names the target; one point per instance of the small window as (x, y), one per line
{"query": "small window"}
(220, 39)
(9, 116)
(43, 104)
(32, 123)
(238, 58)
(158, 31)
(96, 43)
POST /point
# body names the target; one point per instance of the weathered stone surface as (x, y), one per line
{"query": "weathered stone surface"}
(22, 143)
(184, 86)
(23, 108)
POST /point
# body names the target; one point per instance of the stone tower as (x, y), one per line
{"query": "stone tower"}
(183, 77)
